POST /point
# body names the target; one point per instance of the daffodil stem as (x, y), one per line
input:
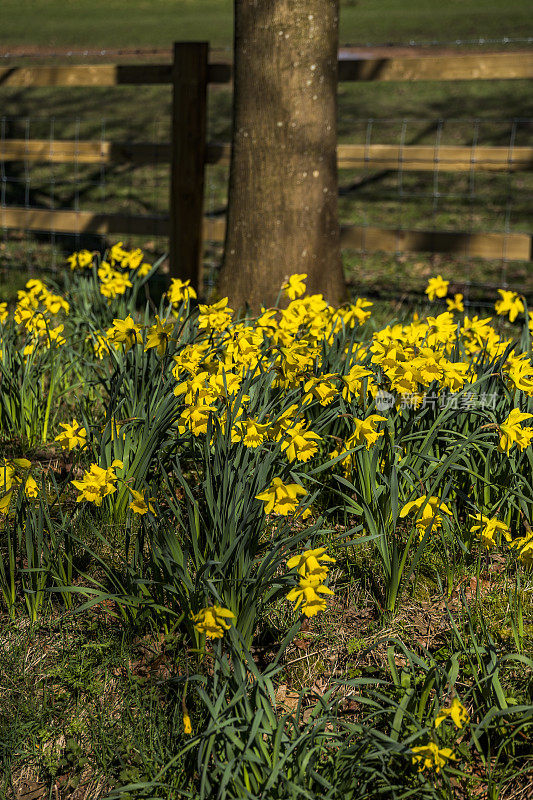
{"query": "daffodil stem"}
(48, 405)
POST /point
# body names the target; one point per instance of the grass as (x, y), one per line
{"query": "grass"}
(85, 24)
(86, 708)
(82, 705)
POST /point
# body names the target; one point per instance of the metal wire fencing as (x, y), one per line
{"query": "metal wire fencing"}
(423, 192)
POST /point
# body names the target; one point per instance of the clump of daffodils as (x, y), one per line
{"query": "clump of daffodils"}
(37, 316)
(312, 571)
(115, 272)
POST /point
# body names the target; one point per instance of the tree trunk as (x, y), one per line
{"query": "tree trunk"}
(283, 191)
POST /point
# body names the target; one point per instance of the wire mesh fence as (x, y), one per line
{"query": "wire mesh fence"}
(404, 178)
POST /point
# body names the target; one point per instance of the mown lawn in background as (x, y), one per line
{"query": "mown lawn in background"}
(94, 23)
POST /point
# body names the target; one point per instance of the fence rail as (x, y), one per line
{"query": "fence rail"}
(189, 74)
(445, 158)
(489, 66)
(508, 246)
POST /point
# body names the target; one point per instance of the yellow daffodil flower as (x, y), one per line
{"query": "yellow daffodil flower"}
(428, 512)
(139, 505)
(97, 483)
(510, 304)
(294, 286)
(308, 564)
(72, 435)
(513, 433)
(437, 287)
(456, 304)
(488, 527)
(213, 621)
(281, 498)
(216, 317)
(300, 443)
(429, 756)
(250, 432)
(457, 712)
(126, 332)
(180, 292)
(523, 547)
(307, 595)
(365, 431)
(159, 335)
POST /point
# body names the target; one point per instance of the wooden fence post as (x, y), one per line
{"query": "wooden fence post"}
(188, 149)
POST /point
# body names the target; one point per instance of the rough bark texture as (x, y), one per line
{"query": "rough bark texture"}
(283, 191)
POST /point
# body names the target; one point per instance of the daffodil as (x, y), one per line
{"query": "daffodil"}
(250, 432)
(124, 331)
(97, 483)
(488, 528)
(216, 317)
(159, 335)
(520, 372)
(73, 435)
(213, 621)
(80, 260)
(357, 313)
(180, 292)
(30, 487)
(456, 304)
(300, 443)
(512, 432)
(428, 512)
(522, 546)
(139, 505)
(307, 595)
(365, 431)
(322, 389)
(294, 286)
(456, 712)
(353, 381)
(510, 304)
(437, 287)
(195, 418)
(132, 259)
(281, 498)
(429, 756)
(7, 480)
(308, 563)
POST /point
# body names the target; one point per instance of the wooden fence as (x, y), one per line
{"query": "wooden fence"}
(188, 152)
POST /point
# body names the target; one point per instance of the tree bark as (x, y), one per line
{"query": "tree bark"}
(283, 189)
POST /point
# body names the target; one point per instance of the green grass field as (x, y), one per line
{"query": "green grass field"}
(93, 23)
